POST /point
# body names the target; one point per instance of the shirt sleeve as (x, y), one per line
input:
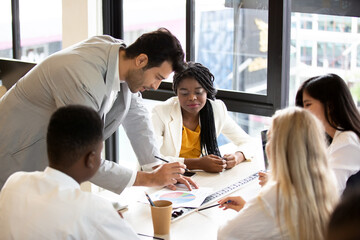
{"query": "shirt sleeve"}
(230, 129)
(344, 160)
(139, 130)
(250, 223)
(114, 177)
(111, 226)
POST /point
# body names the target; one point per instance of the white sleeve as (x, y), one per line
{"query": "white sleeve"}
(230, 129)
(252, 222)
(139, 130)
(110, 225)
(114, 177)
(345, 161)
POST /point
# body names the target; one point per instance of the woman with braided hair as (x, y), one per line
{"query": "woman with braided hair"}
(187, 125)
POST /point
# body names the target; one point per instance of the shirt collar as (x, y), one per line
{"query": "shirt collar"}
(62, 178)
(116, 82)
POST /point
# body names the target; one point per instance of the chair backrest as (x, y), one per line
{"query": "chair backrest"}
(264, 141)
(12, 70)
(352, 182)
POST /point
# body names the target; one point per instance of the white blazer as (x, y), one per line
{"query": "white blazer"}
(167, 121)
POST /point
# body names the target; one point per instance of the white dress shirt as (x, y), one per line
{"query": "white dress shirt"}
(344, 154)
(50, 205)
(257, 220)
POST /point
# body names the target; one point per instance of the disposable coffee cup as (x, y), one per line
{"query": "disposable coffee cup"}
(161, 216)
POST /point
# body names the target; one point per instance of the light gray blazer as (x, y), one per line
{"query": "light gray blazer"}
(81, 74)
(167, 121)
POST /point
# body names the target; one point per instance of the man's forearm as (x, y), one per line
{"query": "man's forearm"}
(144, 179)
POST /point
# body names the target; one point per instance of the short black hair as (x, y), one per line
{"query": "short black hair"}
(72, 130)
(339, 106)
(160, 46)
(345, 220)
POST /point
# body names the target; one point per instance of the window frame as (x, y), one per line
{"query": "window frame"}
(277, 67)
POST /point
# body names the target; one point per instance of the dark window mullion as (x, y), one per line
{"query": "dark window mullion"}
(113, 25)
(15, 29)
(279, 53)
(190, 39)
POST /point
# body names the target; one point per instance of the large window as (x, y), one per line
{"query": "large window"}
(32, 29)
(329, 45)
(232, 40)
(5, 26)
(40, 28)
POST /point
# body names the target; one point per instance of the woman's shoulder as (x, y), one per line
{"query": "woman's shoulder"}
(346, 137)
(218, 105)
(166, 106)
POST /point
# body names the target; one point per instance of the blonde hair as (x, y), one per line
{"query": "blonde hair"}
(298, 159)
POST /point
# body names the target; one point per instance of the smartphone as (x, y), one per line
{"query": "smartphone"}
(189, 174)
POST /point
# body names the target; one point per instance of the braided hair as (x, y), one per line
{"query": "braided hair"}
(208, 140)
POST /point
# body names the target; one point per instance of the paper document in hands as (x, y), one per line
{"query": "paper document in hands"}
(181, 197)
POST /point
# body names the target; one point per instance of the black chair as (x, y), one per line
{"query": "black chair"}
(11, 70)
(264, 141)
(352, 183)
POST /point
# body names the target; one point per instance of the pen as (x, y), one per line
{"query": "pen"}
(164, 160)
(228, 201)
(151, 202)
(153, 237)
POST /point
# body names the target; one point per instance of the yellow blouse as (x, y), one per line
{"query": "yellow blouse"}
(190, 143)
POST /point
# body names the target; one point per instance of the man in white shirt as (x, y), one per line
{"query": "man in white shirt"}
(50, 204)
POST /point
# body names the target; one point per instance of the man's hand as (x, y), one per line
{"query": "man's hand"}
(187, 181)
(163, 175)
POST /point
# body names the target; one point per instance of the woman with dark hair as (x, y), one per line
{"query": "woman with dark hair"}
(187, 126)
(330, 100)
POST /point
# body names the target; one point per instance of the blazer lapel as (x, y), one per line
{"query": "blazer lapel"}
(175, 126)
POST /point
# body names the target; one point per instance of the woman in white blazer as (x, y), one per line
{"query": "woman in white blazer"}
(187, 126)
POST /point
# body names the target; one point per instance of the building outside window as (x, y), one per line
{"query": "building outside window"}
(40, 29)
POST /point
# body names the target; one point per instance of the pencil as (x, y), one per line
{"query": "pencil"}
(150, 201)
(228, 201)
(164, 160)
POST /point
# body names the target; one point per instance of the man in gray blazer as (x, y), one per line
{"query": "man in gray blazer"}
(104, 74)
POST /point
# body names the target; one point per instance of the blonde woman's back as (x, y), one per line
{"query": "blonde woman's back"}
(298, 157)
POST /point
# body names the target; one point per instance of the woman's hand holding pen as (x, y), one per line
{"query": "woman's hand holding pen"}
(235, 203)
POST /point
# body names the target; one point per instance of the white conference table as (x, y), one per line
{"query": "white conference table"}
(196, 225)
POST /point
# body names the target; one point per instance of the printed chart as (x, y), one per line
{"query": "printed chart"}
(182, 198)
(178, 197)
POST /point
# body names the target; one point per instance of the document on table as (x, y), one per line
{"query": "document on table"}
(181, 197)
